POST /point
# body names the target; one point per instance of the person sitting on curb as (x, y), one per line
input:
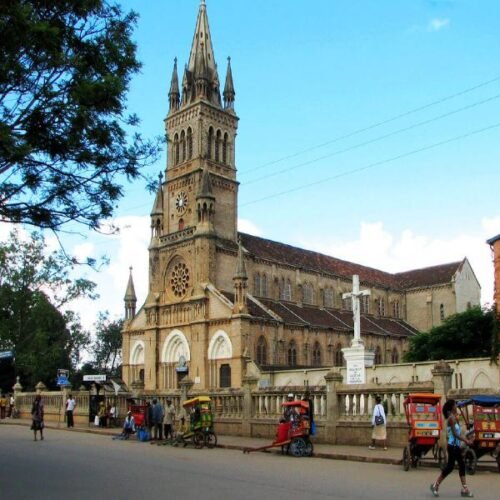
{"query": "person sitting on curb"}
(128, 425)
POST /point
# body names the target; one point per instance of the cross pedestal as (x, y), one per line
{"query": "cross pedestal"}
(357, 357)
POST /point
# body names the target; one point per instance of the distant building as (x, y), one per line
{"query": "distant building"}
(494, 244)
(218, 297)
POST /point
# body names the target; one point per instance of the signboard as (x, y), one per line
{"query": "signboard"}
(6, 354)
(94, 378)
(62, 377)
(356, 373)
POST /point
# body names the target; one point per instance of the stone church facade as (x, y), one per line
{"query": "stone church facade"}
(218, 298)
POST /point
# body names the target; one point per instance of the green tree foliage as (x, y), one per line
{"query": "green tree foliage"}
(465, 335)
(108, 345)
(66, 141)
(33, 286)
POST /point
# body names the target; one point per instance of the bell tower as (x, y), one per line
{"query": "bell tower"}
(201, 131)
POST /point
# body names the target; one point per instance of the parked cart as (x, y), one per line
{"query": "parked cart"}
(201, 423)
(481, 416)
(423, 415)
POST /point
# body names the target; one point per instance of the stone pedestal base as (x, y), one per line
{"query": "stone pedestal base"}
(357, 359)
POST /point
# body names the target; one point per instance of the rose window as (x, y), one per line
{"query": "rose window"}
(179, 279)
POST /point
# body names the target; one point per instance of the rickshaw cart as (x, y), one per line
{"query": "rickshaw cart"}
(139, 414)
(293, 434)
(423, 415)
(201, 423)
(481, 415)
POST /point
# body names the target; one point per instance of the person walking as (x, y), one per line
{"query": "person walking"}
(70, 408)
(454, 438)
(379, 423)
(12, 404)
(168, 420)
(37, 415)
(157, 419)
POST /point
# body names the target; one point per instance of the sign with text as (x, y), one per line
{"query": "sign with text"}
(356, 373)
(94, 378)
(62, 377)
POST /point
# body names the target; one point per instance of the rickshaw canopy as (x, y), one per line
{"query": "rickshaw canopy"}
(298, 404)
(480, 400)
(423, 397)
(197, 400)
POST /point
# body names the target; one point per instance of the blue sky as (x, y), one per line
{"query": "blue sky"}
(309, 73)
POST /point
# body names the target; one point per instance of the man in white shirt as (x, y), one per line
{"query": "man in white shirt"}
(70, 407)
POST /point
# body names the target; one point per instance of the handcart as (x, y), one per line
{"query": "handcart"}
(423, 415)
(293, 432)
(201, 423)
(481, 415)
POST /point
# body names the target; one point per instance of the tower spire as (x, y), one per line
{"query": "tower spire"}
(229, 92)
(174, 95)
(130, 298)
(240, 279)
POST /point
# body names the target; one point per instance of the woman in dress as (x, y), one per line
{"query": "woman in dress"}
(453, 432)
(379, 423)
(37, 416)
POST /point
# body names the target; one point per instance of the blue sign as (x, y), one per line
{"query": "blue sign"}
(6, 354)
(62, 380)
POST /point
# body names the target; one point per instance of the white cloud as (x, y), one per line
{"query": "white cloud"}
(438, 24)
(247, 226)
(376, 247)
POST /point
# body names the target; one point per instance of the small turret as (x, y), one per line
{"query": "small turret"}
(157, 212)
(205, 204)
(130, 298)
(229, 92)
(174, 95)
(240, 279)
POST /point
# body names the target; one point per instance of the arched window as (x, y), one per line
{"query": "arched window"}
(183, 146)
(381, 306)
(441, 312)
(189, 143)
(347, 304)
(210, 143)
(181, 224)
(263, 285)
(339, 357)
(395, 356)
(378, 356)
(292, 354)
(141, 374)
(225, 375)
(288, 290)
(261, 355)
(217, 145)
(316, 356)
(395, 309)
(256, 284)
(224, 150)
(176, 149)
(328, 297)
(365, 304)
(307, 293)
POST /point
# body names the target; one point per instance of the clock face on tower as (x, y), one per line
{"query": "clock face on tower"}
(181, 202)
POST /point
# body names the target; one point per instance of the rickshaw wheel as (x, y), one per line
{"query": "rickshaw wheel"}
(210, 439)
(198, 439)
(309, 449)
(470, 460)
(298, 447)
(406, 458)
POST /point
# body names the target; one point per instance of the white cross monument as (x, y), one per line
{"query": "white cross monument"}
(357, 358)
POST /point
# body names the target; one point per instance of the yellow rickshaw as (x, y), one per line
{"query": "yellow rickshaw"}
(201, 422)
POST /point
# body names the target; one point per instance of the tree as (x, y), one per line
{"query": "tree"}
(32, 288)
(66, 141)
(469, 334)
(108, 344)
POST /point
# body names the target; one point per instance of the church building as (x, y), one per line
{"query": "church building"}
(218, 298)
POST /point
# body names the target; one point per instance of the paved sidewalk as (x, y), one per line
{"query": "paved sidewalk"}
(390, 456)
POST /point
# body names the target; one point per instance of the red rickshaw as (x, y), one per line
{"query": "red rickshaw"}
(423, 415)
(293, 432)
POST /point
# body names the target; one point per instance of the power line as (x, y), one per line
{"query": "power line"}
(375, 125)
(376, 139)
(372, 165)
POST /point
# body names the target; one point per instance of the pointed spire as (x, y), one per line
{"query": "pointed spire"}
(174, 94)
(201, 59)
(158, 204)
(205, 190)
(229, 92)
(241, 270)
(130, 298)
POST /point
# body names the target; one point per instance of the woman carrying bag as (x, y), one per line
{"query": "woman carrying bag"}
(379, 423)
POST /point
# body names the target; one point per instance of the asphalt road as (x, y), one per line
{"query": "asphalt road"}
(73, 465)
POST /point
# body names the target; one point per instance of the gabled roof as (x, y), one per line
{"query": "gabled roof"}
(429, 276)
